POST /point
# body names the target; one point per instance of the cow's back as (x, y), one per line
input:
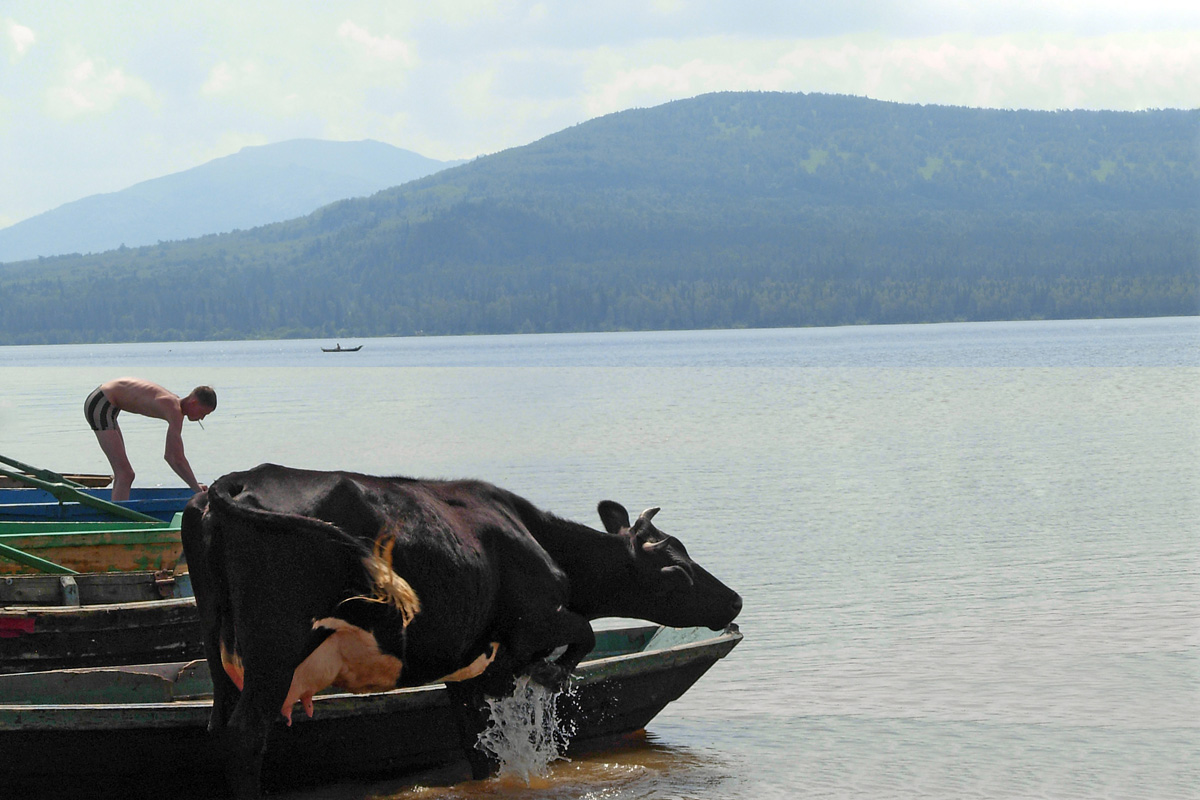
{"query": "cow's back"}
(460, 545)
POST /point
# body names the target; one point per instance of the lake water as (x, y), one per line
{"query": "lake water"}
(970, 553)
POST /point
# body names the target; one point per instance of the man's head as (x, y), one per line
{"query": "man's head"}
(200, 403)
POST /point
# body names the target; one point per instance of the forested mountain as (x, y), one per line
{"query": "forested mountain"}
(255, 186)
(733, 209)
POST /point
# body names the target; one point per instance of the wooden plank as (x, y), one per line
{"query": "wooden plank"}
(36, 472)
(94, 588)
(90, 480)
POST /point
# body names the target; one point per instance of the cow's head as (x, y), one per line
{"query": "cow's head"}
(672, 589)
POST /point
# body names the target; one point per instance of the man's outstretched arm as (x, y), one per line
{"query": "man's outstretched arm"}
(175, 457)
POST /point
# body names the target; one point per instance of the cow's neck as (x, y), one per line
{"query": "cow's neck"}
(599, 565)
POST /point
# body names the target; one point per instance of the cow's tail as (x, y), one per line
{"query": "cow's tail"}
(389, 588)
(202, 544)
(386, 586)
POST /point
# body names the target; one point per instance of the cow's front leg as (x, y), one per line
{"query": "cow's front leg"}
(576, 633)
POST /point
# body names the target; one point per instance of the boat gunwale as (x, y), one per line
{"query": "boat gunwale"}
(95, 608)
(48, 527)
(194, 710)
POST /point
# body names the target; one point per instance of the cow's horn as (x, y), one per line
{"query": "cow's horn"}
(650, 547)
(643, 521)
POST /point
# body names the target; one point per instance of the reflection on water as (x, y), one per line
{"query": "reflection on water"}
(632, 767)
(638, 765)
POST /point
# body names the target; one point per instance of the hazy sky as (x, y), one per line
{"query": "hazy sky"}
(97, 96)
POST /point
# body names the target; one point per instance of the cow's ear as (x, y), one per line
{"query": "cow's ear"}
(613, 515)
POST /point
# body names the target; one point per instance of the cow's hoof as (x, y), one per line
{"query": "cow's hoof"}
(550, 675)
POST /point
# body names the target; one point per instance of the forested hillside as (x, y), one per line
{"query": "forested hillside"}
(738, 209)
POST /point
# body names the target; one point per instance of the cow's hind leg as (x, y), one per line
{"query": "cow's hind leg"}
(225, 692)
(256, 711)
(471, 714)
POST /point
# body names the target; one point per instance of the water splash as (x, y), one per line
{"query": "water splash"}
(524, 733)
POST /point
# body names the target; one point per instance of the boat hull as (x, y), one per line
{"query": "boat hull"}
(36, 504)
(87, 546)
(161, 740)
(133, 618)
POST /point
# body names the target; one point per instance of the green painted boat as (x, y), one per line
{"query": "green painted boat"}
(87, 594)
(136, 729)
(67, 546)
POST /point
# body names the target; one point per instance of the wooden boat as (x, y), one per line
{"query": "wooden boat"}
(97, 619)
(31, 475)
(94, 593)
(68, 547)
(130, 729)
(49, 495)
(31, 503)
(90, 479)
(340, 349)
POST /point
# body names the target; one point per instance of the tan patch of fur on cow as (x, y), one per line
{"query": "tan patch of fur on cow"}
(232, 664)
(349, 659)
(474, 669)
(389, 587)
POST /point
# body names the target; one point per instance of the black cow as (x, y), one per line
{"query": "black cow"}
(308, 579)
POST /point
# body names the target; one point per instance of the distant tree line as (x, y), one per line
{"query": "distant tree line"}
(836, 267)
(727, 210)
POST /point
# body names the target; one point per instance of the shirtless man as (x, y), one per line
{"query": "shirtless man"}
(150, 400)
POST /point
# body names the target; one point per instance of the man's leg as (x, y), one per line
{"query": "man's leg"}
(113, 444)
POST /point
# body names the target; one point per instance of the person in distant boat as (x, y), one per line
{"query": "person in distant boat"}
(139, 396)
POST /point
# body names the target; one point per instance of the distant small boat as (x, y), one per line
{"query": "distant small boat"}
(340, 349)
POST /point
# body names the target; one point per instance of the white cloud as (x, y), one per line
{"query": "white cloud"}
(20, 37)
(668, 7)
(225, 78)
(656, 83)
(380, 48)
(1123, 71)
(537, 13)
(269, 90)
(460, 13)
(457, 78)
(91, 87)
(1118, 71)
